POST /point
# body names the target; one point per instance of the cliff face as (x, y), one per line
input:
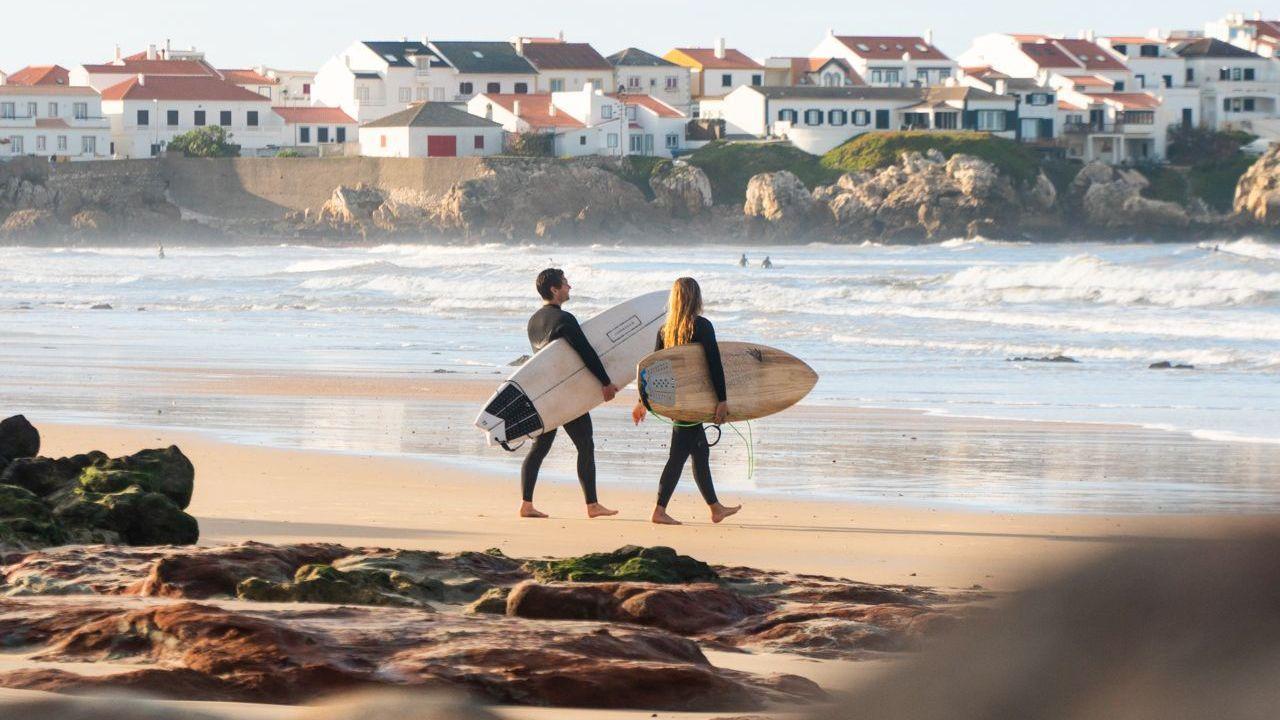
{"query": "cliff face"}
(922, 197)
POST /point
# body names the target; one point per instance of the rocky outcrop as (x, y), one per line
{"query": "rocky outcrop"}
(682, 191)
(632, 563)
(1112, 198)
(685, 609)
(780, 202)
(137, 499)
(1258, 191)
(18, 439)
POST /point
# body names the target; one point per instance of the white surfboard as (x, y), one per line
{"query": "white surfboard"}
(554, 386)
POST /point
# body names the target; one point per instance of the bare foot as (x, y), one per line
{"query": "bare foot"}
(597, 510)
(720, 512)
(527, 510)
(661, 517)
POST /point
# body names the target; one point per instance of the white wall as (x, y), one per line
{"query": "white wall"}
(24, 138)
(653, 81)
(132, 140)
(571, 80)
(713, 80)
(412, 142)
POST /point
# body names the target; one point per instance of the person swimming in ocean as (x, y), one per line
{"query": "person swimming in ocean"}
(161, 254)
(742, 261)
(767, 263)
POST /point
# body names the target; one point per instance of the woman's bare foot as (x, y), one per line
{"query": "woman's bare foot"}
(661, 517)
(595, 510)
(527, 510)
(720, 512)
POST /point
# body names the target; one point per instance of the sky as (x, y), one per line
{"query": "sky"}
(301, 35)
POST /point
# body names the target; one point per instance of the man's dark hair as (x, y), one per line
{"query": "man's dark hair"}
(549, 279)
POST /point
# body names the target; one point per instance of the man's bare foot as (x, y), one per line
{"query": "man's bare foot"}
(661, 517)
(527, 510)
(720, 512)
(597, 510)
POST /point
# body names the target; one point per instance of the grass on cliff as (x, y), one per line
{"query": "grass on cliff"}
(637, 169)
(872, 151)
(730, 166)
(1215, 183)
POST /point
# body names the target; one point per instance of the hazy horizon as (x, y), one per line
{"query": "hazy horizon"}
(235, 33)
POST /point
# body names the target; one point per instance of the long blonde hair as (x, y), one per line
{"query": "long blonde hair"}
(684, 306)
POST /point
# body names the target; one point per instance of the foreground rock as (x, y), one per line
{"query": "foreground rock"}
(634, 563)
(1258, 191)
(136, 500)
(247, 653)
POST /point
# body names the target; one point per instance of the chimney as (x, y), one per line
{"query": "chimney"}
(151, 52)
(1090, 35)
(168, 48)
(831, 32)
(551, 109)
(589, 88)
(142, 79)
(117, 60)
(520, 46)
(928, 36)
(425, 41)
(720, 48)
(1257, 14)
(1001, 86)
(346, 60)
(560, 36)
(515, 108)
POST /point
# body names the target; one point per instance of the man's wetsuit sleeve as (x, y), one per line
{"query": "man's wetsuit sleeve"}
(706, 337)
(572, 334)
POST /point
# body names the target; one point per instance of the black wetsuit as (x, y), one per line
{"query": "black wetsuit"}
(547, 324)
(692, 441)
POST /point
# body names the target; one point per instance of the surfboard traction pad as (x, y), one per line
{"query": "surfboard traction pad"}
(658, 384)
(515, 411)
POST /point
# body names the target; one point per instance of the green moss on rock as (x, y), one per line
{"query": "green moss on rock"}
(872, 151)
(320, 583)
(631, 563)
(731, 165)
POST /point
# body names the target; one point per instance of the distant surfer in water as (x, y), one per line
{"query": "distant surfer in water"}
(742, 261)
(552, 323)
(767, 263)
(685, 325)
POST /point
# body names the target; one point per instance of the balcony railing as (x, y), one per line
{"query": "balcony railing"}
(1093, 128)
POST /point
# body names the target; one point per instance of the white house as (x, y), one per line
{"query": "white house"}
(164, 61)
(793, 71)
(1039, 121)
(653, 126)
(146, 112)
(374, 78)
(1239, 89)
(1256, 35)
(816, 119)
(285, 88)
(431, 130)
(1113, 127)
(564, 65)
(4, 78)
(636, 71)
(315, 127)
(485, 67)
(715, 72)
(53, 121)
(1078, 63)
(1159, 70)
(889, 61)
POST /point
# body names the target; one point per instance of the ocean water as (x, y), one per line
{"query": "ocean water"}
(930, 328)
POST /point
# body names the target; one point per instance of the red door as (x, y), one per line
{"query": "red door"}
(442, 145)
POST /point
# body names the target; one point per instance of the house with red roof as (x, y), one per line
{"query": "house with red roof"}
(638, 72)
(60, 122)
(814, 71)
(589, 121)
(40, 75)
(564, 65)
(890, 60)
(285, 88)
(320, 130)
(148, 111)
(158, 61)
(716, 71)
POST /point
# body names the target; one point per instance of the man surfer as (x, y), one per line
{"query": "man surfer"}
(550, 323)
(742, 261)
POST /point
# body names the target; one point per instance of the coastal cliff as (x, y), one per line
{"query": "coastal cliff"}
(765, 192)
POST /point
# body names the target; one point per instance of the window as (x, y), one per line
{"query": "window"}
(80, 110)
(362, 94)
(53, 109)
(673, 141)
(790, 116)
(612, 140)
(144, 118)
(944, 73)
(1149, 51)
(1248, 105)
(1248, 74)
(837, 117)
(406, 94)
(861, 117)
(40, 143)
(637, 143)
(673, 82)
(7, 110)
(916, 120)
(62, 143)
(631, 112)
(522, 88)
(341, 134)
(322, 134)
(171, 118)
(479, 142)
(306, 88)
(945, 121)
(726, 80)
(1191, 75)
(633, 82)
(199, 118)
(885, 76)
(1138, 117)
(757, 80)
(251, 118)
(33, 109)
(493, 87)
(1119, 86)
(89, 145)
(923, 76)
(466, 88)
(812, 117)
(1122, 49)
(15, 144)
(437, 94)
(991, 120)
(882, 119)
(304, 134)
(582, 139)
(606, 111)
(557, 85)
(224, 118)
(382, 140)
(1142, 80)
(1168, 80)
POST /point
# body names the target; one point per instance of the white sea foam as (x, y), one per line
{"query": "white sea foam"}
(1247, 247)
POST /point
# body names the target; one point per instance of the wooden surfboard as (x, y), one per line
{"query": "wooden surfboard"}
(759, 381)
(554, 386)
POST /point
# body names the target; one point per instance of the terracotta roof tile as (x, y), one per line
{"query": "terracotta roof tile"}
(72, 90)
(248, 76)
(1128, 101)
(41, 75)
(733, 59)
(161, 87)
(653, 104)
(536, 110)
(294, 115)
(133, 66)
(891, 47)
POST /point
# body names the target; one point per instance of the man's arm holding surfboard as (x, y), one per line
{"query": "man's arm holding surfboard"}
(571, 332)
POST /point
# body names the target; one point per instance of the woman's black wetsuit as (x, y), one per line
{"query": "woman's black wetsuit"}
(691, 441)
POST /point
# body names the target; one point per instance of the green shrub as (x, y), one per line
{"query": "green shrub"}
(289, 153)
(871, 151)
(205, 142)
(1196, 145)
(731, 165)
(1061, 172)
(1215, 182)
(532, 144)
(637, 169)
(1167, 183)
